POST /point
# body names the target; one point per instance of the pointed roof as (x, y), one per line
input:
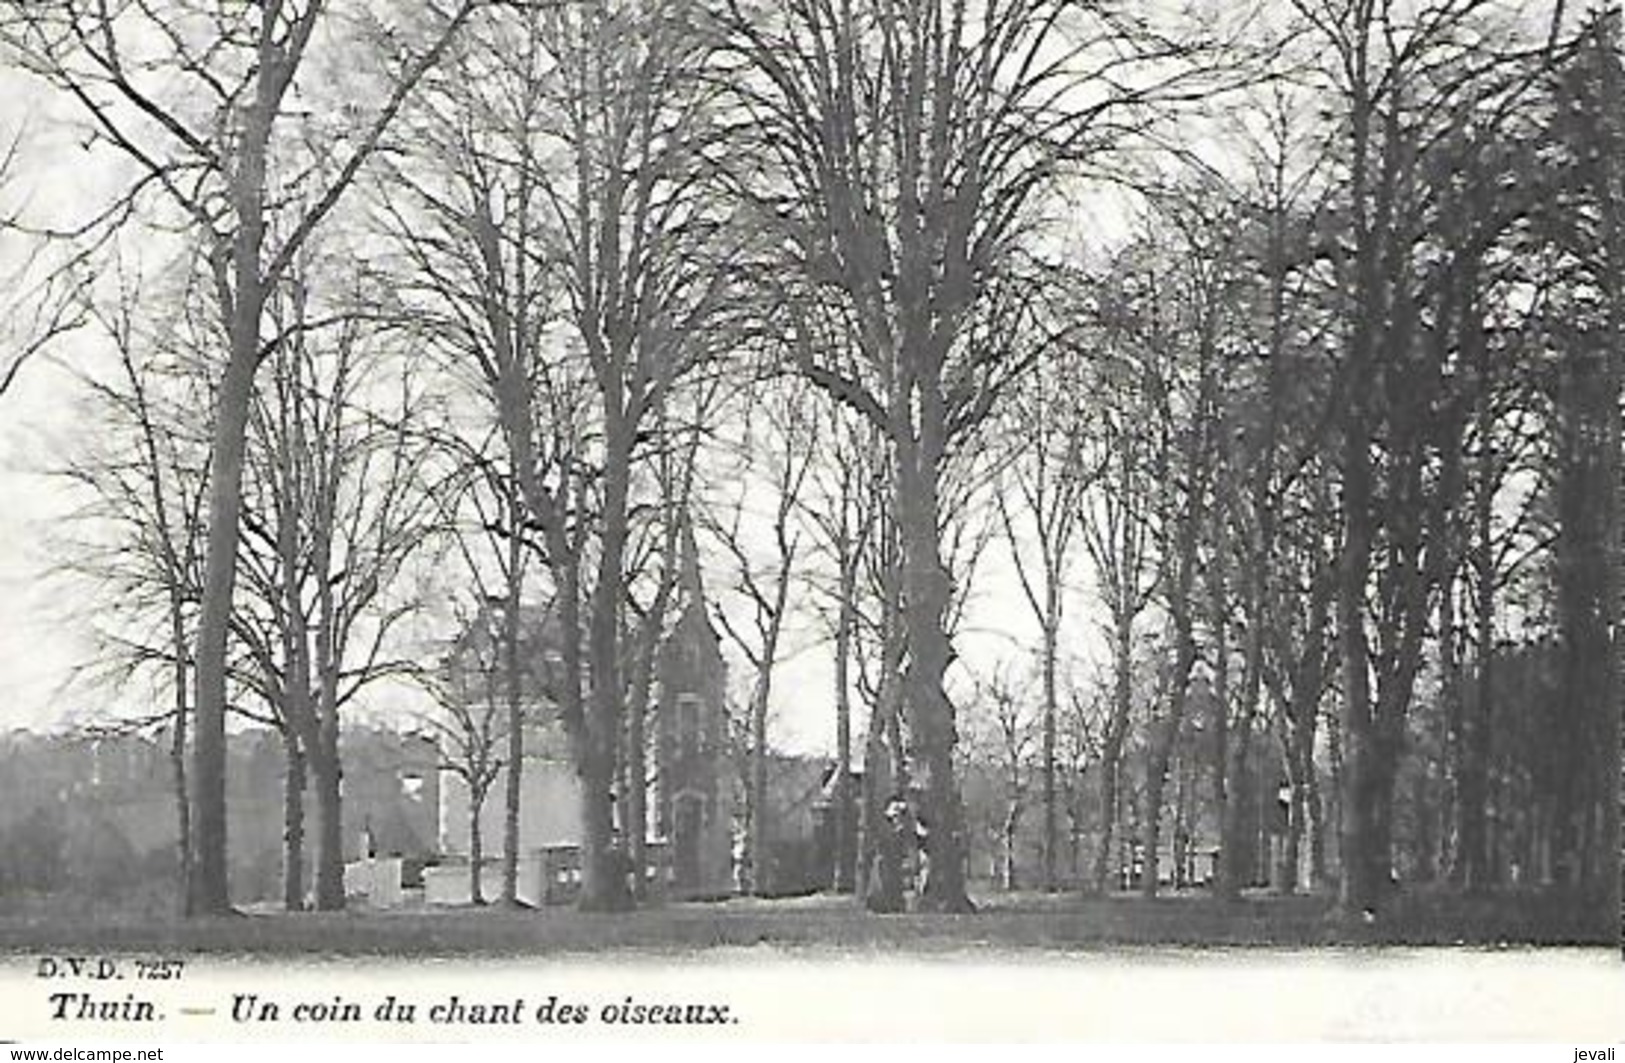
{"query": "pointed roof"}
(689, 576)
(690, 583)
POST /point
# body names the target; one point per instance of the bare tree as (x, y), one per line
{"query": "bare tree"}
(842, 508)
(472, 719)
(1265, 451)
(339, 501)
(580, 182)
(144, 521)
(1043, 488)
(779, 443)
(906, 194)
(670, 552)
(1385, 67)
(43, 284)
(194, 102)
(1078, 746)
(1117, 535)
(1007, 716)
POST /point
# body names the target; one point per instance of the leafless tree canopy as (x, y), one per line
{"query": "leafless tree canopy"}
(1188, 440)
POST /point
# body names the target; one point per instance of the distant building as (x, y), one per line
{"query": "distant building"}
(692, 793)
(801, 824)
(689, 821)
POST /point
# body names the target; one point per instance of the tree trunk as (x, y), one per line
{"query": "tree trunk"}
(1360, 889)
(926, 595)
(651, 630)
(1051, 637)
(328, 771)
(876, 787)
(1453, 693)
(600, 890)
(1286, 870)
(1225, 811)
(637, 781)
(1111, 758)
(1007, 837)
(1075, 838)
(208, 889)
(602, 887)
(1306, 784)
(512, 790)
(759, 885)
(293, 824)
(476, 846)
(177, 765)
(1601, 633)
(885, 771)
(1610, 784)
(1476, 737)
(1161, 754)
(844, 849)
(1317, 832)
(325, 757)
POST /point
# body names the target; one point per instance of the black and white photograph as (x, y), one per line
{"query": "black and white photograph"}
(849, 519)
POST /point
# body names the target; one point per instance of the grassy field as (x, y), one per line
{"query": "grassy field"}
(1027, 921)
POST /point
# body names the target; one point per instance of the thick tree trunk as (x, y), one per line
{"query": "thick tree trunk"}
(651, 630)
(1453, 693)
(1604, 774)
(926, 595)
(885, 771)
(241, 308)
(208, 890)
(1360, 890)
(1286, 868)
(293, 824)
(876, 788)
(1610, 759)
(1111, 758)
(513, 692)
(1316, 818)
(637, 783)
(1583, 554)
(1235, 744)
(1161, 754)
(1233, 826)
(1478, 711)
(844, 849)
(601, 890)
(602, 885)
(1306, 815)
(325, 758)
(328, 772)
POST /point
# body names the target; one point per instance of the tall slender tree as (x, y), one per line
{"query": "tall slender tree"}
(195, 103)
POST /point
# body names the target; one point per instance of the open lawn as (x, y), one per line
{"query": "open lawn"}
(812, 924)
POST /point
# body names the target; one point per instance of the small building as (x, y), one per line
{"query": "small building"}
(802, 824)
(690, 799)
